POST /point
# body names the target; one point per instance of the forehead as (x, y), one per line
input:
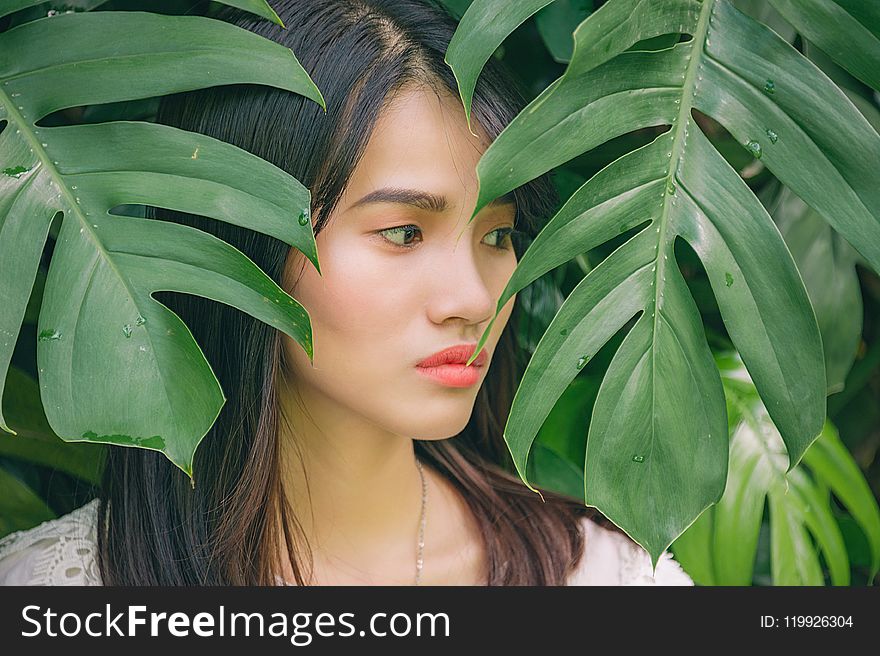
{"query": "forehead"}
(420, 140)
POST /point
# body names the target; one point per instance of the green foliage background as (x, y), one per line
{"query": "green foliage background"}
(42, 477)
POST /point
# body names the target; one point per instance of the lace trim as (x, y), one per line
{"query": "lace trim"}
(65, 548)
(636, 569)
(65, 553)
(611, 558)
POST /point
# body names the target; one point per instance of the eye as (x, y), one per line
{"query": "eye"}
(401, 233)
(503, 241)
(402, 236)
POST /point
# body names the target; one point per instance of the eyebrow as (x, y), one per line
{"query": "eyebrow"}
(420, 199)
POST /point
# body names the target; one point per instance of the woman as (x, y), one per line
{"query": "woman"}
(372, 466)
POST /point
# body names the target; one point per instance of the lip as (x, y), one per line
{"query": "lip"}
(447, 367)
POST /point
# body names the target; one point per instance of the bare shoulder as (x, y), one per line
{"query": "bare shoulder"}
(61, 551)
(612, 558)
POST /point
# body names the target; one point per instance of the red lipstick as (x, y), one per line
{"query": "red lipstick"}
(447, 367)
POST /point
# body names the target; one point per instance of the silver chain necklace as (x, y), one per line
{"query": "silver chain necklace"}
(420, 558)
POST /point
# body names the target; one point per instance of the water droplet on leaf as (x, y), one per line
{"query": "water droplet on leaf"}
(728, 279)
(583, 361)
(49, 334)
(755, 149)
(126, 330)
(770, 87)
(303, 219)
(564, 331)
(140, 321)
(638, 458)
(16, 171)
(772, 136)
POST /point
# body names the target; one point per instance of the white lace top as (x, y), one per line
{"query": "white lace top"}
(63, 552)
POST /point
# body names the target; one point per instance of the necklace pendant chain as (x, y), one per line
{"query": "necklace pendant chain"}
(421, 546)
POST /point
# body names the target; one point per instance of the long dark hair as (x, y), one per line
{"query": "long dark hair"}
(155, 528)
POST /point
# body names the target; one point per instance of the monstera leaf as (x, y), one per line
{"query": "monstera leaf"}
(258, 7)
(657, 448)
(721, 546)
(115, 365)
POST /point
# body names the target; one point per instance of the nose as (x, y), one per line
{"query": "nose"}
(459, 287)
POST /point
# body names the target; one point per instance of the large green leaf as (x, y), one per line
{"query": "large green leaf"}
(42, 9)
(657, 444)
(492, 21)
(115, 365)
(258, 7)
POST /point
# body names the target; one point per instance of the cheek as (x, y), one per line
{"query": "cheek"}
(356, 305)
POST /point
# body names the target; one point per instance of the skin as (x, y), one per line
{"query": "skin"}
(378, 310)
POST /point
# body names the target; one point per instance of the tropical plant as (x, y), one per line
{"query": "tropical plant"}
(720, 547)
(657, 450)
(115, 365)
(761, 120)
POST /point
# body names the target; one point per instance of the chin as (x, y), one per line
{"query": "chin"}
(442, 432)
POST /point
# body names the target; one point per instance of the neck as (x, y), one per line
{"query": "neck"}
(354, 487)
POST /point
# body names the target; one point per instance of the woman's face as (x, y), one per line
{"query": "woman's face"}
(392, 295)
